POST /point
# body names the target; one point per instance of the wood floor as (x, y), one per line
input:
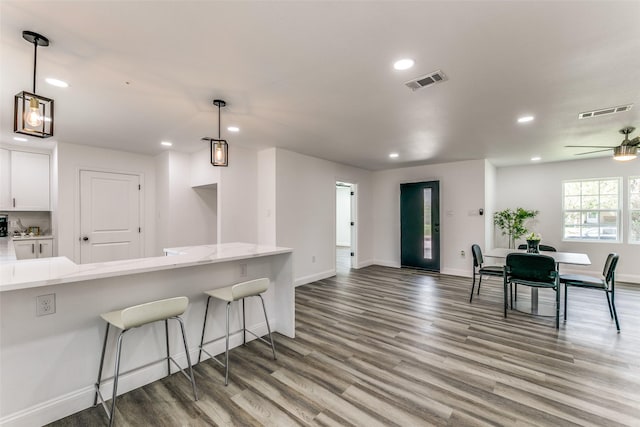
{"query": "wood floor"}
(382, 346)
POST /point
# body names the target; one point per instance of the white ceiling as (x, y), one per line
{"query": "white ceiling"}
(317, 77)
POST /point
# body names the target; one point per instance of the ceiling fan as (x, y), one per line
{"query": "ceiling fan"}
(627, 150)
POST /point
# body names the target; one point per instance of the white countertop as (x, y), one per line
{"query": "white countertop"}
(32, 273)
(28, 237)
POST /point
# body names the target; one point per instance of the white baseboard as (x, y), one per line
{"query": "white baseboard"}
(314, 277)
(81, 399)
(386, 263)
(366, 263)
(457, 272)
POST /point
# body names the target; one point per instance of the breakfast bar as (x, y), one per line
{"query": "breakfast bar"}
(48, 363)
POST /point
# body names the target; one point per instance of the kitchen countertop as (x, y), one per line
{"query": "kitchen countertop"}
(33, 273)
(28, 237)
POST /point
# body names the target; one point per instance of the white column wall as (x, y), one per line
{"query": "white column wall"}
(462, 193)
(540, 187)
(305, 203)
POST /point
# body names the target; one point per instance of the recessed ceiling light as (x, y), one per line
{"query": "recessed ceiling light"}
(525, 119)
(56, 82)
(166, 143)
(17, 138)
(403, 64)
(233, 129)
(394, 155)
(536, 158)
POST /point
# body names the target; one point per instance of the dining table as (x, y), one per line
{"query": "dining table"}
(534, 304)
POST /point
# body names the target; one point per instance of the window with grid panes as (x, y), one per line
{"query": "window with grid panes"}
(591, 210)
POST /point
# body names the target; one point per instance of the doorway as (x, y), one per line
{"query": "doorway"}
(345, 226)
(109, 216)
(420, 225)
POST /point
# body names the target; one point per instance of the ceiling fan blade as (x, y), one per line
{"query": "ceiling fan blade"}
(589, 146)
(632, 142)
(596, 151)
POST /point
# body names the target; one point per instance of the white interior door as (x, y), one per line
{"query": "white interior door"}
(109, 216)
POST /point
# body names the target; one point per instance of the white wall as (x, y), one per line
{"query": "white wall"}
(266, 209)
(343, 216)
(184, 215)
(305, 202)
(462, 193)
(489, 204)
(540, 187)
(73, 158)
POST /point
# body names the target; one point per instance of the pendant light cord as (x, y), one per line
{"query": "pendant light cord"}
(35, 62)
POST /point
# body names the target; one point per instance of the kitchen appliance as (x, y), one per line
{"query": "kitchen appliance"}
(3, 225)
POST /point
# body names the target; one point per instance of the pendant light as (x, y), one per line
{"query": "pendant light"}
(219, 152)
(33, 114)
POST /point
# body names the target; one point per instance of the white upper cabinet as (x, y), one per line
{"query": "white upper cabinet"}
(25, 181)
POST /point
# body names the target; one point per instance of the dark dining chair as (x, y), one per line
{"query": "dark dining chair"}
(545, 248)
(606, 283)
(482, 270)
(532, 270)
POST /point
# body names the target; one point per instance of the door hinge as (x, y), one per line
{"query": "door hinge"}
(139, 187)
(353, 254)
(352, 193)
(139, 230)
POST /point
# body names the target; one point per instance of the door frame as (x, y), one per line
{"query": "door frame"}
(354, 219)
(77, 207)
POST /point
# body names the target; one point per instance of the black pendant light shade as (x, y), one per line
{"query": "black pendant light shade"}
(33, 114)
(219, 148)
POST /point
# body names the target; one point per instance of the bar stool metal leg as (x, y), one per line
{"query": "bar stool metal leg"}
(166, 335)
(273, 347)
(244, 326)
(104, 348)
(112, 412)
(186, 350)
(226, 350)
(204, 325)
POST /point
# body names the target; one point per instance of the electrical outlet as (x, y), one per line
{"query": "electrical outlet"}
(45, 304)
(243, 270)
(462, 254)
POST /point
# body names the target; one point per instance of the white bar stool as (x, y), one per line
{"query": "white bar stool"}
(252, 288)
(133, 317)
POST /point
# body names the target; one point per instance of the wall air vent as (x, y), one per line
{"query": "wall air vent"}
(605, 111)
(428, 80)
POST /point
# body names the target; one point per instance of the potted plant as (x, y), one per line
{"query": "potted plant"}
(511, 223)
(533, 240)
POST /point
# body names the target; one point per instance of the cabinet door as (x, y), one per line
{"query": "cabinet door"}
(30, 181)
(44, 248)
(5, 179)
(25, 249)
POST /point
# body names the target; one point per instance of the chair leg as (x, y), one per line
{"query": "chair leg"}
(226, 350)
(473, 284)
(186, 351)
(609, 304)
(244, 326)
(615, 313)
(505, 298)
(479, 283)
(565, 302)
(104, 347)
(166, 335)
(115, 379)
(273, 346)
(558, 307)
(204, 325)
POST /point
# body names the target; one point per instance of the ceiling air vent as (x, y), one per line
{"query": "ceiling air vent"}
(428, 80)
(605, 111)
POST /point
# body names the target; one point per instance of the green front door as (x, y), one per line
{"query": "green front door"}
(420, 225)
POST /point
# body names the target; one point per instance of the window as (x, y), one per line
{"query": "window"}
(591, 209)
(634, 209)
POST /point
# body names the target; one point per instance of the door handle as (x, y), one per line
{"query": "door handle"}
(40, 247)
(85, 238)
(33, 248)
(14, 202)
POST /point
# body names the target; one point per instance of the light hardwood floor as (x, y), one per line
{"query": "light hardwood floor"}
(382, 346)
